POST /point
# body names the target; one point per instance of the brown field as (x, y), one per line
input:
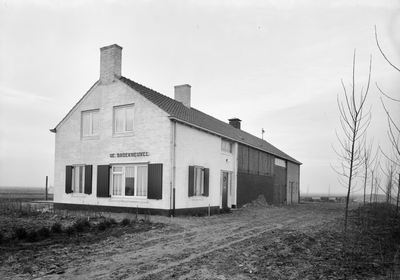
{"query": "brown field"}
(303, 241)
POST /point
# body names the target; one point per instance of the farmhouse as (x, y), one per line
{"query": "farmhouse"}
(125, 147)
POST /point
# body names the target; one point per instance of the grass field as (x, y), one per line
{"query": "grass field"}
(23, 194)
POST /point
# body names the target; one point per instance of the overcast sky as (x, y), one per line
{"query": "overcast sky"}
(275, 65)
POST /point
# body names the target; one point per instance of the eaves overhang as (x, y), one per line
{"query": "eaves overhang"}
(173, 118)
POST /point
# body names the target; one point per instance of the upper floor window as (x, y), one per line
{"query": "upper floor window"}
(123, 119)
(280, 162)
(226, 146)
(90, 123)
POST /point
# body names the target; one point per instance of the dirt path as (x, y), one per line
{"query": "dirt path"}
(197, 248)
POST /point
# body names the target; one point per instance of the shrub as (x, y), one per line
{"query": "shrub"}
(56, 228)
(224, 210)
(80, 225)
(20, 233)
(107, 223)
(44, 232)
(70, 230)
(32, 236)
(112, 221)
(102, 226)
(87, 223)
(202, 214)
(1, 237)
(125, 222)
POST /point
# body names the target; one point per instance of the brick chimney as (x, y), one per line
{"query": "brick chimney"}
(182, 94)
(235, 122)
(110, 63)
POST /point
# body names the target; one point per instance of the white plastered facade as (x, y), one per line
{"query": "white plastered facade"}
(174, 144)
(151, 134)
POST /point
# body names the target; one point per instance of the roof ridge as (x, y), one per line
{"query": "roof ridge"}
(203, 120)
(124, 79)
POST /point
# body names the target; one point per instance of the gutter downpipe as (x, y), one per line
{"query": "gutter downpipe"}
(173, 161)
(235, 170)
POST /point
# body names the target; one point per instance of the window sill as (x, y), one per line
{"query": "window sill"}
(130, 199)
(197, 197)
(123, 134)
(78, 195)
(94, 137)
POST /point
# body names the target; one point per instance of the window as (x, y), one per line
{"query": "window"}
(78, 179)
(198, 181)
(129, 180)
(149, 180)
(123, 119)
(90, 123)
(280, 162)
(226, 146)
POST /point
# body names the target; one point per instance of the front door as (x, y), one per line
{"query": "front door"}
(225, 187)
(280, 191)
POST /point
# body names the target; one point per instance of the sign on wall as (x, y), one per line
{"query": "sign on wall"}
(137, 154)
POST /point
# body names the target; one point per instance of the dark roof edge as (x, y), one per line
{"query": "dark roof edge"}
(226, 137)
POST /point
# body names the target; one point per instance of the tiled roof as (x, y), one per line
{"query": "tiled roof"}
(194, 117)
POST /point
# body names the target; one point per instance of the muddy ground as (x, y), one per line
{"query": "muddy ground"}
(290, 242)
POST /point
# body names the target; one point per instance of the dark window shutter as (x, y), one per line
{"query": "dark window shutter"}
(68, 179)
(191, 181)
(154, 183)
(206, 181)
(103, 181)
(88, 179)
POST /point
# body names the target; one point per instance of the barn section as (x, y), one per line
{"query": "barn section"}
(293, 179)
(261, 173)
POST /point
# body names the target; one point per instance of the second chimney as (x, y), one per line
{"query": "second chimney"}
(182, 94)
(110, 63)
(235, 122)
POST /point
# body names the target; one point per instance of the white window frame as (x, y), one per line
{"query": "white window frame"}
(226, 146)
(90, 113)
(198, 181)
(124, 130)
(123, 181)
(75, 173)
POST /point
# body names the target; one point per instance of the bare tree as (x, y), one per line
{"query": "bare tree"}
(354, 121)
(374, 178)
(368, 160)
(388, 61)
(390, 173)
(393, 128)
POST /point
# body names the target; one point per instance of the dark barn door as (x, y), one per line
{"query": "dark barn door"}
(280, 185)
